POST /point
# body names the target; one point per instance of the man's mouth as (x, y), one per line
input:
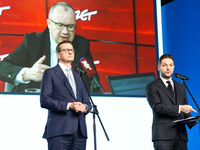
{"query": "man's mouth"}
(63, 37)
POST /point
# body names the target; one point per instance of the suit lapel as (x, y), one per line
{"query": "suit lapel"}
(163, 87)
(177, 92)
(45, 47)
(47, 50)
(75, 44)
(61, 76)
(76, 78)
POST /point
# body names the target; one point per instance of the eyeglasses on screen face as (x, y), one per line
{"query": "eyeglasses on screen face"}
(61, 26)
(67, 50)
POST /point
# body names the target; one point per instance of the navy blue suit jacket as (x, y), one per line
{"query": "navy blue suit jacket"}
(56, 93)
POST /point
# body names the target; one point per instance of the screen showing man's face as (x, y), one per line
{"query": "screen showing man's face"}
(121, 36)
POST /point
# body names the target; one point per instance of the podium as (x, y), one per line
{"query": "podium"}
(197, 118)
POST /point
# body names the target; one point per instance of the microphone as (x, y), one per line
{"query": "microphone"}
(87, 67)
(177, 75)
(90, 72)
(80, 71)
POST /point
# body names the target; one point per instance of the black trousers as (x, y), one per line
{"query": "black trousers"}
(176, 144)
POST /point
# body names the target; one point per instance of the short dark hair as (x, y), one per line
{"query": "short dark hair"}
(58, 46)
(165, 56)
(65, 5)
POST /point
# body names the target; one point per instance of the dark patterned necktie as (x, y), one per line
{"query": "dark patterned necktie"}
(169, 87)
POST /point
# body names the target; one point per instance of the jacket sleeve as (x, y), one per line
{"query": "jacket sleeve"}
(47, 98)
(158, 103)
(14, 62)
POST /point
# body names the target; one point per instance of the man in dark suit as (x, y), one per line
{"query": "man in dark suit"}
(168, 101)
(64, 95)
(24, 67)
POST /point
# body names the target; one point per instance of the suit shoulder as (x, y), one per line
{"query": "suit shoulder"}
(178, 84)
(153, 85)
(80, 38)
(49, 70)
(36, 35)
(153, 82)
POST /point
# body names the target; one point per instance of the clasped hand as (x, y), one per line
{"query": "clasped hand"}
(78, 107)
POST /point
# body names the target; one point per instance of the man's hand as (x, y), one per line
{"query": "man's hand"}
(78, 107)
(35, 73)
(187, 109)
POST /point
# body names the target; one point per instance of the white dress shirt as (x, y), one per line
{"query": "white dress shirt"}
(166, 84)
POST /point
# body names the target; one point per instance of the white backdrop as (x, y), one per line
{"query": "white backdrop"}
(127, 122)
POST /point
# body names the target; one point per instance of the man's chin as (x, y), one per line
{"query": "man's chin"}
(166, 77)
(64, 39)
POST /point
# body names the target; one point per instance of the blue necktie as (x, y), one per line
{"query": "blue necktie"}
(71, 81)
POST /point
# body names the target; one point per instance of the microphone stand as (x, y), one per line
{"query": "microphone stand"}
(95, 112)
(198, 116)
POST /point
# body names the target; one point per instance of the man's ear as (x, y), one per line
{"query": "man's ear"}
(48, 23)
(158, 67)
(58, 55)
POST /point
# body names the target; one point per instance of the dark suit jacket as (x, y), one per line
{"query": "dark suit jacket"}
(56, 93)
(34, 46)
(165, 111)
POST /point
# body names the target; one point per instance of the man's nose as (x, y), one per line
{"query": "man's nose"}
(65, 30)
(70, 52)
(168, 67)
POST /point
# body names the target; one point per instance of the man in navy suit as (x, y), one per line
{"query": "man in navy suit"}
(168, 101)
(64, 95)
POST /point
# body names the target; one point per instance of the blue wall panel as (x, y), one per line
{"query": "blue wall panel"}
(181, 39)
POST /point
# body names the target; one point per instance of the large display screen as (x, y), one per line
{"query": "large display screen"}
(121, 34)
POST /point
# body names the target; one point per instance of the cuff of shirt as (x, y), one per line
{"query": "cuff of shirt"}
(19, 77)
(86, 107)
(67, 107)
(179, 109)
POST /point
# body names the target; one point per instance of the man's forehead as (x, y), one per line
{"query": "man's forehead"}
(61, 10)
(66, 45)
(63, 16)
(167, 60)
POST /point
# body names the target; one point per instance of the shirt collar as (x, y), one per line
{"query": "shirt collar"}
(53, 43)
(165, 80)
(63, 67)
